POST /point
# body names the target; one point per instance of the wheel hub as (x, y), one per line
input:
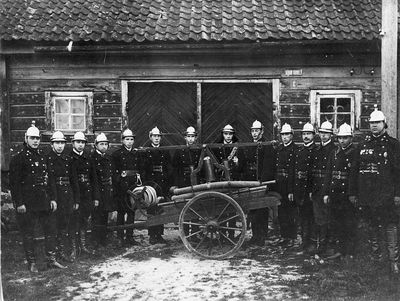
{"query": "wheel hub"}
(212, 226)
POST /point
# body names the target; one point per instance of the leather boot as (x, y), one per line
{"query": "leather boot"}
(30, 256)
(74, 250)
(393, 250)
(61, 249)
(375, 247)
(83, 243)
(52, 262)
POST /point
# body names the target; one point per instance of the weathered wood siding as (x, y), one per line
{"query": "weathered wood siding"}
(29, 76)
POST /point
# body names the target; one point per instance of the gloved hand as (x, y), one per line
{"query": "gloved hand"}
(53, 206)
(290, 197)
(96, 203)
(21, 209)
(326, 199)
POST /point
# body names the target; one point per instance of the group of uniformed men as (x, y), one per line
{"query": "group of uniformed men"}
(322, 187)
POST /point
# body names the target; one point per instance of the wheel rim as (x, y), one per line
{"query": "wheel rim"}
(212, 225)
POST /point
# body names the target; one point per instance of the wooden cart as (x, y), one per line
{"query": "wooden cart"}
(212, 216)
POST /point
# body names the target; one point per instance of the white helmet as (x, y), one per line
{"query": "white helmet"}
(286, 129)
(257, 125)
(32, 131)
(79, 136)
(191, 131)
(58, 136)
(128, 133)
(308, 128)
(345, 130)
(377, 115)
(326, 127)
(101, 138)
(155, 131)
(228, 128)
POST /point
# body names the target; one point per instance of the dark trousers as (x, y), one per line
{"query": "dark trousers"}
(154, 231)
(26, 222)
(306, 215)
(130, 219)
(342, 227)
(287, 214)
(259, 223)
(100, 220)
(65, 227)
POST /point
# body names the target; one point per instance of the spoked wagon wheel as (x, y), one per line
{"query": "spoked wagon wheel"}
(212, 225)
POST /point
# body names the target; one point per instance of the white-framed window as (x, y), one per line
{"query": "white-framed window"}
(336, 106)
(69, 111)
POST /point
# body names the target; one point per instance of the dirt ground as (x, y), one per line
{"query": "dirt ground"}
(170, 272)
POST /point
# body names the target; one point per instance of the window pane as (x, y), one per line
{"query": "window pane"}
(78, 122)
(62, 122)
(77, 106)
(62, 105)
(327, 104)
(344, 104)
(342, 118)
(327, 117)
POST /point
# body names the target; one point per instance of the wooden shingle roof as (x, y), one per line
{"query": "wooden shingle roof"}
(188, 20)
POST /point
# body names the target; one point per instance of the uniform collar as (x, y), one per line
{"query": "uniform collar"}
(76, 152)
(153, 145)
(127, 149)
(288, 144)
(309, 144)
(326, 143)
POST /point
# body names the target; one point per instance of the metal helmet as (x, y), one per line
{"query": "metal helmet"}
(308, 127)
(377, 115)
(79, 136)
(32, 131)
(128, 133)
(191, 131)
(257, 125)
(286, 129)
(345, 130)
(101, 138)
(58, 137)
(155, 131)
(326, 127)
(228, 128)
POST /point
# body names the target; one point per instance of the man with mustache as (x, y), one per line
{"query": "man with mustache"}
(304, 160)
(375, 187)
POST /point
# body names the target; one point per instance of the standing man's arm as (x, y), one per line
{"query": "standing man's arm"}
(16, 179)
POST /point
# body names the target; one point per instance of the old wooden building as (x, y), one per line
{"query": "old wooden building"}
(101, 65)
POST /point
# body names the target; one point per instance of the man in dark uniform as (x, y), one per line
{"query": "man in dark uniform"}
(342, 222)
(186, 160)
(128, 170)
(88, 189)
(63, 182)
(253, 171)
(375, 185)
(285, 174)
(105, 174)
(157, 170)
(321, 216)
(30, 193)
(228, 155)
(304, 161)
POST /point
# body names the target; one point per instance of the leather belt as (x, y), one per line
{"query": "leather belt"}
(83, 178)
(129, 173)
(371, 168)
(318, 173)
(62, 181)
(157, 168)
(281, 172)
(340, 175)
(301, 175)
(41, 181)
(106, 181)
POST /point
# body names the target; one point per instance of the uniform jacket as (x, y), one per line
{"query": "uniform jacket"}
(105, 176)
(254, 160)
(224, 154)
(304, 162)
(29, 180)
(87, 179)
(157, 168)
(285, 169)
(183, 161)
(376, 172)
(338, 173)
(319, 168)
(127, 164)
(63, 180)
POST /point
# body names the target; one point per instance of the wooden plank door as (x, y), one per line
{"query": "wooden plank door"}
(237, 104)
(169, 106)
